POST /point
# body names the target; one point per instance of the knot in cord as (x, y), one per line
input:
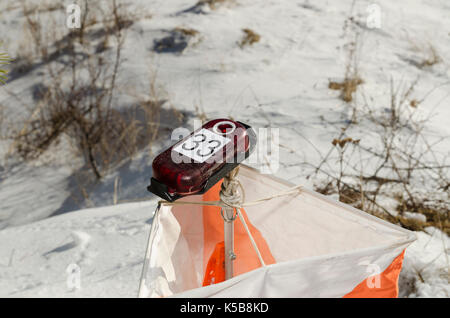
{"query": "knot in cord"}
(229, 193)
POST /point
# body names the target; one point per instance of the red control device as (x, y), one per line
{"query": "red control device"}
(200, 160)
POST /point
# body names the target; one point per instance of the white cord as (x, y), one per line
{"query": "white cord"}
(251, 237)
(294, 190)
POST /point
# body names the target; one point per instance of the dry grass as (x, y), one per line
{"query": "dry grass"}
(186, 31)
(414, 103)
(213, 4)
(44, 6)
(250, 37)
(426, 54)
(342, 142)
(4, 60)
(352, 195)
(351, 59)
(436, 213)
(347, 87)
(431, 57)
(200, 113)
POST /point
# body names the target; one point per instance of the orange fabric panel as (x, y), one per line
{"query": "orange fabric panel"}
(246, 257)
(215, 270)
(388, 283)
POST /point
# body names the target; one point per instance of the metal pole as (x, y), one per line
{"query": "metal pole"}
(229, 193)
(228, 230)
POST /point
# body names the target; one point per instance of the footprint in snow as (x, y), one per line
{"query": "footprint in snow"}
(79, 239)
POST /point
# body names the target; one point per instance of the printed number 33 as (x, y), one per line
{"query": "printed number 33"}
(212, 145)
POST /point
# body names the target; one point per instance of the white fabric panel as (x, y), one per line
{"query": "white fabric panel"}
(175, 263)
(323, 276)
(190, 218)
(321, 247)
(310, 224)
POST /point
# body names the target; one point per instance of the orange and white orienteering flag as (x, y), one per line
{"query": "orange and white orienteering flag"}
(312, 246)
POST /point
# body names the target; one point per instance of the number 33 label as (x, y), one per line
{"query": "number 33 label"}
(202, 145)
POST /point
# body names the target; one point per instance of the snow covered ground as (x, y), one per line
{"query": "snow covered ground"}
(102, 247)
(427, 258)
(279, 82)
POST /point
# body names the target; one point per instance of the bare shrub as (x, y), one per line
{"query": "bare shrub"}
(400, 175)
(35, 32)
(78, 99)
(38, 34)
(149, 108)
(352, 78)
